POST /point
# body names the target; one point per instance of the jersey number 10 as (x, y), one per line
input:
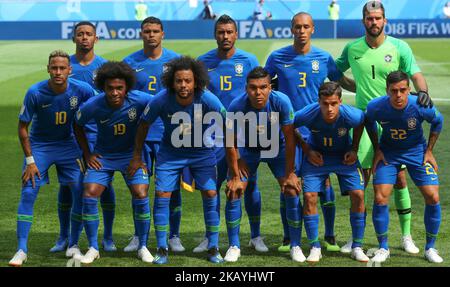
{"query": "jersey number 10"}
(61, 118)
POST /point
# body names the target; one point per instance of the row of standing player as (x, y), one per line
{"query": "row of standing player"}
(226, 37)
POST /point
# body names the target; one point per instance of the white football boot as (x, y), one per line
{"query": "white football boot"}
(18, 259)
(314, 255)
(258, 244)
(408, 245)
(433, 256)
(297, 254)
(175, 244)
(358, 255)
(90, 256)
(233, 254)
(381, 255)
(145, 255)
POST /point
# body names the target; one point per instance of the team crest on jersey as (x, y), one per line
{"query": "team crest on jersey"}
(73, 102)
(239, 68)
(412, 122)
(388, 58)
(165, 68)
(132, 114)
(342, 132)
(315, 66)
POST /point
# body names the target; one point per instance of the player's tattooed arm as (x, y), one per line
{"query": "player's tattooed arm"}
(348, 84)
(89, 158)
(31, 169)
(429, 157)
(352, 156)
(136, 161)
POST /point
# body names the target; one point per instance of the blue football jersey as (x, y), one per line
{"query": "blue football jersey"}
(148, 79)
(402, 129)
(228, 77)
(164, 105)
(329, 139)
(278, 108)
(86, 73)
(300, 76)
(116, 127)
(52, 114)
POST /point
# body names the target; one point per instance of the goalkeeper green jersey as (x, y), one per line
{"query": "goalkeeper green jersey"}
(370, 67)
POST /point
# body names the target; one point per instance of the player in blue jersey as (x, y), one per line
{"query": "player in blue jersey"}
(269, 109)
(84, 67)
(186, 80)
(228, 68)
(85, 64)
(149, 64)
(300, 69)
(329, 149)
(116, 113)
(50, 107)
(402, 143)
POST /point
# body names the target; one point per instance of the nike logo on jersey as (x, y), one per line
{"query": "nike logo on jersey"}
(210, 70)
(315, 131)
(104, 121)
(433, 178)
(357, 57)
(46, 106)
(288, 65)
(138, 70)
(384, 123)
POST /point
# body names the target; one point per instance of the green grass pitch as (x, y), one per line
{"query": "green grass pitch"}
(23, 63)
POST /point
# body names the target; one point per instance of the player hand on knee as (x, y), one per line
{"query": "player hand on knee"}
(135, 164)
(30, 172)
(290, 182)
(235, 187)
(93, 162)
(350, 157)
(429, 158)
(315, 158)
(244, 170)
(379, 156)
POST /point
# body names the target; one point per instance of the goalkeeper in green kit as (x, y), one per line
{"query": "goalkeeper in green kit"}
(371, 58)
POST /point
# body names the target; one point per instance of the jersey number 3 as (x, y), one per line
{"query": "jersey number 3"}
(302, 79)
